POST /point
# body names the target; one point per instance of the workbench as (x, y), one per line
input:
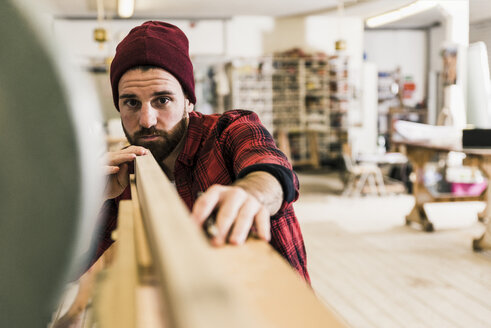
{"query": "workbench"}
(419, 154)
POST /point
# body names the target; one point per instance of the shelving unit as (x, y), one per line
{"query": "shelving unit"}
(303, 101)
(340, 97)
(301, 106)
(252, 88)
(288, 94)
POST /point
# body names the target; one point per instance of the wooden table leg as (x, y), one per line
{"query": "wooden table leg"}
(313, 149)
(484, 242)
(418, 215)
(284, 143)
(485, 166)
(419, 157)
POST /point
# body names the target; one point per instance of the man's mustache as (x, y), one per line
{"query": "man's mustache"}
(152, 131)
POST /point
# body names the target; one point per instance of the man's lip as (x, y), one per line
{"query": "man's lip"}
(151, 137)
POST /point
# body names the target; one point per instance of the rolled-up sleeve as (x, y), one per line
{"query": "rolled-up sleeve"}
(252, 148)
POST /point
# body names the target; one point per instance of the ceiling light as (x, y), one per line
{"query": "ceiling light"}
(398, 14)
(126, 8)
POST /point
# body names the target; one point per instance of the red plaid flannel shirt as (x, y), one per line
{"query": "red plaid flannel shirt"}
(219, 150)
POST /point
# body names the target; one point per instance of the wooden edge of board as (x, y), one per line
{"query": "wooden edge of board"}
(195, 293)
(234, 286)
(273, 288)
(116, 301)
(143, 255)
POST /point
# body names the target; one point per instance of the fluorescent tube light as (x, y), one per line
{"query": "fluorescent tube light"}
(398, 14)
(126, 8)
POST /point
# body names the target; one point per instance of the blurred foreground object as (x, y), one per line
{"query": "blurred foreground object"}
(49, 173)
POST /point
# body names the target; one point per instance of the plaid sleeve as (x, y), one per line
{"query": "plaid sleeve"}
(252, 148)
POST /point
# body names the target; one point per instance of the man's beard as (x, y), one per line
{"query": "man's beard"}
(165, 144)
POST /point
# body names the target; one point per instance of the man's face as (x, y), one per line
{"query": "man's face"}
(154, 110)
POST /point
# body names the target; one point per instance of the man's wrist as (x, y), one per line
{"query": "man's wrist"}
(283, 175)
(264, 187)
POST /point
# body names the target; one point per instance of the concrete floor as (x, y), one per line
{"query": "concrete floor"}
(374, 271)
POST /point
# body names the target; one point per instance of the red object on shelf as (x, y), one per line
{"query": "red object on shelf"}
(408, 88)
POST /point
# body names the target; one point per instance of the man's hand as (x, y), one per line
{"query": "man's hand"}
(249, 202)
(117, 169)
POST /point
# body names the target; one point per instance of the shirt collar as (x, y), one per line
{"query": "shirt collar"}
(193, 137)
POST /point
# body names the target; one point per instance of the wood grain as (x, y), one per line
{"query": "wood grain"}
(116, 299)
(233, 286)
(195, 294)
(143, 255)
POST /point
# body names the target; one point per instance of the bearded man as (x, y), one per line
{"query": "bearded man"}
(230, 160)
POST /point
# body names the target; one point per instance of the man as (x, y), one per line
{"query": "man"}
(230, 161)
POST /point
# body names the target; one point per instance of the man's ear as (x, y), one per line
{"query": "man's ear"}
(188, 105)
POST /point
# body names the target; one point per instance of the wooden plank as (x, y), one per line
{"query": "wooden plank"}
(233, 286)
(151, 309)
(116, 301)
(143, 255)
(272, 288)
(195, 294)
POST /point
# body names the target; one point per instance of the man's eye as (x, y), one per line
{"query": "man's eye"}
(131, 103)
(163, 100)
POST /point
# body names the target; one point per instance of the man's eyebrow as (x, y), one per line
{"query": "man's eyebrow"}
(155, 94)
(127, 95)
(163, 93)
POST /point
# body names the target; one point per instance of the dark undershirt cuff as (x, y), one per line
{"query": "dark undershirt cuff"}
(281, 173)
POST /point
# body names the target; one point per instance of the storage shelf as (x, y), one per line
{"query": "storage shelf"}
(297, 95)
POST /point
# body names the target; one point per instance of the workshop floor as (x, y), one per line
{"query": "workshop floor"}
(374, 271)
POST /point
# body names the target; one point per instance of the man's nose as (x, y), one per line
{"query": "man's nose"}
(148, 116)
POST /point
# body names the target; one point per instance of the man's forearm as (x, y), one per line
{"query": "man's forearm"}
(265, 187)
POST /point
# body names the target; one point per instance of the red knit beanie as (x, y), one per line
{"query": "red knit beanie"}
(154, 44)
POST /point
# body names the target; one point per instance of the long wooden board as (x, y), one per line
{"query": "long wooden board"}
(193, 289)
(143, 255)
(272, 288)
(116, 299)
(245, 286)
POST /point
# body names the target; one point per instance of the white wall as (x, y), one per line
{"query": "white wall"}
(436, 42)
(322, 31)
(288, 33)
(206, 37)
(481, 31)
(365, 139)
(317, 33)
(407, 49)
(436, 37)
(244, 35)
(457, 20)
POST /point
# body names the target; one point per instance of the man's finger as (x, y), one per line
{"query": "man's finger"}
(137, 150)
(117, 159)
(111, 169)
(229, 208)
(205, 204)
(243, 223)
(122, 176)
(263, 224)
